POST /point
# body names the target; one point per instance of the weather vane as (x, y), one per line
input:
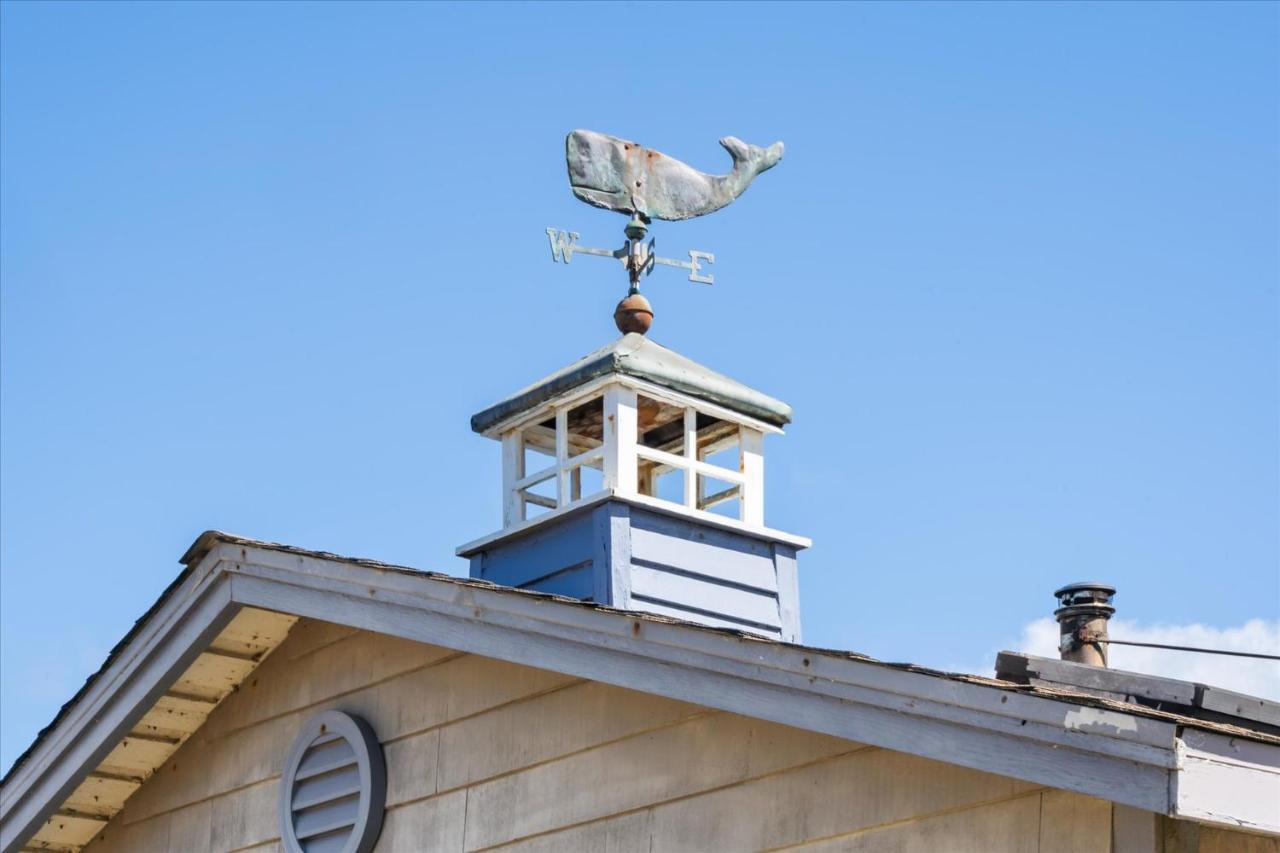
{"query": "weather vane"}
(616, 174)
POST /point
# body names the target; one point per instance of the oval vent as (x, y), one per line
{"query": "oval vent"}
(334, 787)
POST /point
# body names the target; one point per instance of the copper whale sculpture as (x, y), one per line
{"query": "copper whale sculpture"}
(620, 175)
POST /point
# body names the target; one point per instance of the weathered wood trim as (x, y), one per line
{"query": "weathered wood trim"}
(1102, 756)
(243, 657)
(801, 667)
(1198, 700)
(569, 400)
(620, 439)
(690, 466)
(1022, 668)
(1228, 782)
(691, 457)
(537, 500)
(1132, 759)
(714, 520)
(536, 477)
(784, 561)
(512, 473)
(1232, 704)
(612, 547)
(174, 637)
(658, 392)
(751, 461)
(584, 392)
(1141, 784)
(562, 457)
(522, 528)
(191, 697)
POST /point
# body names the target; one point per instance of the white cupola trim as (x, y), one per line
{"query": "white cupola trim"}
(634, 477)
(639, 415)
(628, 465)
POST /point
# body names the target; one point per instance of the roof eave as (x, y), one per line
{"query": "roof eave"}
(1056, 738)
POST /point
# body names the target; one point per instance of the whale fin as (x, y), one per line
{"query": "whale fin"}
(753, 157)
(773, 154)
(737, 149)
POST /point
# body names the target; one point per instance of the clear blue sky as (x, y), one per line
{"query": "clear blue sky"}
(1017, 274)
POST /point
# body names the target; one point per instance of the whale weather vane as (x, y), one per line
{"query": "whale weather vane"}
(620, 175)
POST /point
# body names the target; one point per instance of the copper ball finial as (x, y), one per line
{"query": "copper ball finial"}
(633, 314)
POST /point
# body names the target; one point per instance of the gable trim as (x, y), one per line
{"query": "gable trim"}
(184, 625)
(1096, 747)
(1058, 738)
(1140, 779)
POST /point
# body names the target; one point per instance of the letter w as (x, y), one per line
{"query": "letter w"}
(562, 244)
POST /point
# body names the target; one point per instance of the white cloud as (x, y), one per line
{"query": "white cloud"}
(1246, 675)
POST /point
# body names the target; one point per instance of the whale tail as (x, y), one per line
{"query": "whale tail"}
(749, 158)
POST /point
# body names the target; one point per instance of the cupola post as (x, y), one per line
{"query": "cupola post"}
(620, 465)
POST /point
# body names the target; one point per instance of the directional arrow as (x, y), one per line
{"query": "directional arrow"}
(637, 256)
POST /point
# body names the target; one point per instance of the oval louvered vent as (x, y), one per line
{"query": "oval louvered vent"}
(334, 787)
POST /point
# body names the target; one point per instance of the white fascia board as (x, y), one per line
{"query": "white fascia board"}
(172, 638)
(1104, 753)
(1228, 782)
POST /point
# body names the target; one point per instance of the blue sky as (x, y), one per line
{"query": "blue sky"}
(1017, 274)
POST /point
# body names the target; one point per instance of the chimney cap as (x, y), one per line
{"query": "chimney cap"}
(1084, 597)
(1084, 586)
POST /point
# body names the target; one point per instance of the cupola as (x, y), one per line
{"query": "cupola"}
(635, 478)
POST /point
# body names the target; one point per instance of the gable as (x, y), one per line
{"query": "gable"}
(171, 718)
(1140, 757)
(483, 753)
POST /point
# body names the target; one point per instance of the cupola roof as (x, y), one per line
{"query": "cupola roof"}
(639, 357)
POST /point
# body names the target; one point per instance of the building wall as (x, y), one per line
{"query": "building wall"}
(482, 754)
(1209, 839)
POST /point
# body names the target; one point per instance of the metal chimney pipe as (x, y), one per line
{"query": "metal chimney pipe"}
(1082, 614)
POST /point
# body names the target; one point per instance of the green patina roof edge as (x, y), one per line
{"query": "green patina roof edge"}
(637, 356)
